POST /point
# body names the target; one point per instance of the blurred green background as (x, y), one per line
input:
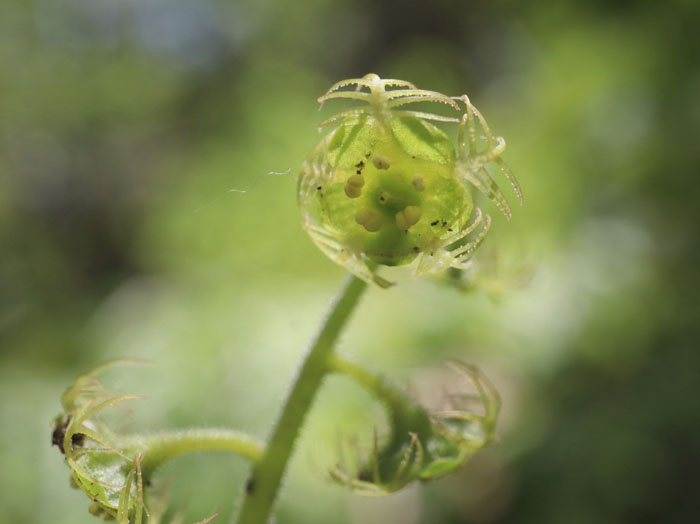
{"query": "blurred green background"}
(125, 123)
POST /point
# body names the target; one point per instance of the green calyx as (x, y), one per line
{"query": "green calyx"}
(387, 187)
(421, 445)
(113, 469)
(391, 192)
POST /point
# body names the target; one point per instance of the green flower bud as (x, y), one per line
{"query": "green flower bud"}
(112, 468)
(422, 445)
(100, 464)
(386, 186)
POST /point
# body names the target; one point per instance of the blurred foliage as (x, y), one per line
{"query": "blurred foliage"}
(125, 123)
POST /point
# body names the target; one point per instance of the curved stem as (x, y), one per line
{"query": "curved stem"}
(375, 384)
(160, 447)
(266, 476)
(405, 414)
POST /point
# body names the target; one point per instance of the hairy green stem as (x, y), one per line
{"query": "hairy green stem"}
(405, 414)
(266, 476)
(388, 394)
(160, 447)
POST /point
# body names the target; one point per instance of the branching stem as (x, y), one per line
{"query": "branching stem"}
(377, 385)
(405, 414)
(166, 445)
(266, 476)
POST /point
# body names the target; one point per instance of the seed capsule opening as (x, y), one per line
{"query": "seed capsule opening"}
(370, 219)
(418, 183)
(381, 162)
(408, 217)
(353, 186)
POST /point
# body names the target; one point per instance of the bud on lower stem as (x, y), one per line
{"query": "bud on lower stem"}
(421, 445)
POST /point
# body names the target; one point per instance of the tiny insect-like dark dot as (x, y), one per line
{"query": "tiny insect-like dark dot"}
(444, 223)
(416, 249)
(77, 439)
(434, 223)
(319, 188)
(57, 437)
(382, 198)
(449, 229)
(359, 171)
(250, 486)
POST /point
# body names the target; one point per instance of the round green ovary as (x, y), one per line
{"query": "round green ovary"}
(391, 206)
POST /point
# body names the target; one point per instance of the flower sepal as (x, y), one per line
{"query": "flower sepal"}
(421, 446)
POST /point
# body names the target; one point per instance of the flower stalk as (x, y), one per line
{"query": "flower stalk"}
(166, 445)
(266, 477)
